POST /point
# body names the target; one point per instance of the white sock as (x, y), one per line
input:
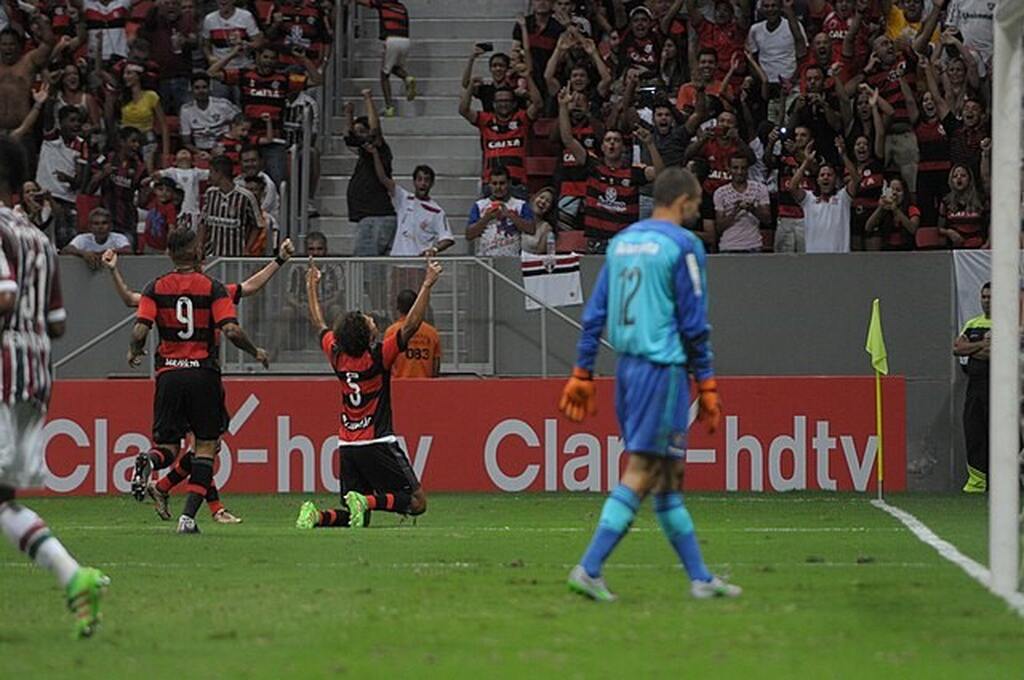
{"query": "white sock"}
(28, 533)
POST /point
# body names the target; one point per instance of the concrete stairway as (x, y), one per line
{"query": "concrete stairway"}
(430, 129)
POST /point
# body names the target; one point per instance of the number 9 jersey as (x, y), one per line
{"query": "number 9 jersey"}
(651, 295)
(365, 389)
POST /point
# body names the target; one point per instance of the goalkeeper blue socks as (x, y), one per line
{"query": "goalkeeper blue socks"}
(616, 518)
(677, 524)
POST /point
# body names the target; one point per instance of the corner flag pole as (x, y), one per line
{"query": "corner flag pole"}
(875, 346)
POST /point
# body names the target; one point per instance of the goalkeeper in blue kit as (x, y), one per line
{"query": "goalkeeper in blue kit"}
(651, 296)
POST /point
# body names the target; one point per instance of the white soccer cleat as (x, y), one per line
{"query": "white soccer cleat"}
(716, 587)
(187, 525)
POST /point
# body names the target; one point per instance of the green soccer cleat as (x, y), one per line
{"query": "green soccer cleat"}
(584, 584)
(357, 507)
(84, 592)
(308, 516)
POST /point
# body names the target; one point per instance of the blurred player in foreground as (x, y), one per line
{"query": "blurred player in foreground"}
(375, 472)
(190, 309)
(651, 295)
(160, 491)
(32, 312)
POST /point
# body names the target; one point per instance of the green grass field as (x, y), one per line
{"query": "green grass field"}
(834, 588)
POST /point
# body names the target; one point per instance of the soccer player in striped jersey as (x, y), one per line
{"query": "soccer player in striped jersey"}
(375, 471)
(159, 492)
(190, 310)
(31, 313)
(651, 295)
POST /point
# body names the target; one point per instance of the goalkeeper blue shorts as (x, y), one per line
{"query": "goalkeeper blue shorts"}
(652, 404)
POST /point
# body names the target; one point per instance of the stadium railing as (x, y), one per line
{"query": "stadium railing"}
(477, 303)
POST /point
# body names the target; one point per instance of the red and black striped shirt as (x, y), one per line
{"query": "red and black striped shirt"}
(365, 388)
(393, 17)
(933, 144)
(303, 26)
(265, 94)
(188, 308)
(887, 81)
(613, 198)
(788, 207)
(570, 175)
(872, 183)
(970, 223)
(504, 143)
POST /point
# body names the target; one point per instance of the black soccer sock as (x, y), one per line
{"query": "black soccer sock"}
(389, 502)
(333, 518)
(160, 458)
(198, 485)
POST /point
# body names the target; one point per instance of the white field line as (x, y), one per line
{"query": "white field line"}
(527, 530)
(454, 566)
(947, 550)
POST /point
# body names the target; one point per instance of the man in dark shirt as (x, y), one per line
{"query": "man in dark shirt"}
(671, 138)
(172, 37)
(369, 203)
(543, 31)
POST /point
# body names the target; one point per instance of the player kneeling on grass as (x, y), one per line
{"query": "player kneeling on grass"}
(651, 296)
(375, 472)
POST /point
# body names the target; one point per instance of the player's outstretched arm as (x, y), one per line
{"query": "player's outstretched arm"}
(316, 315)
(255, 283)
(128, 296)
(419, 309)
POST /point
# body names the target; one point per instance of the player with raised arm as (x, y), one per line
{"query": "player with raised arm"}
(190, 309)
(31, 313)
(159, 492)
(651, 296)
(375, 471)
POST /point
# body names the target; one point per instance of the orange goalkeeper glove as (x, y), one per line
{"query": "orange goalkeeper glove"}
(710, 411)
(579, 396)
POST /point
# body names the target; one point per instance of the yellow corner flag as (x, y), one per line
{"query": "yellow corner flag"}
(875, 346)
(876, 342)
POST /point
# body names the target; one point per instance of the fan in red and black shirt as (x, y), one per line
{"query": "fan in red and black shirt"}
(295, 29)
(265, 89)
(640, 48)
(542, 34)
(612, 201)
(190, 310)
(503, 134)
(963, 214)
(717, 147)
(375, 471)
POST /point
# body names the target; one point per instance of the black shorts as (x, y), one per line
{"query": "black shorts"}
(189, 400)
(376, 468)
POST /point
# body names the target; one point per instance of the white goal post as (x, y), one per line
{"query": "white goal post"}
(1004, 395)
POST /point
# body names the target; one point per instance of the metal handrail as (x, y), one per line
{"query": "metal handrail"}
(85, 347)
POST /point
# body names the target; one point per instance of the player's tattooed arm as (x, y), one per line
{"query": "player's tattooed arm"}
(239, 339)
(128, 296)
(316, 315)
(255, 283)
(419, 308)
(137, 347)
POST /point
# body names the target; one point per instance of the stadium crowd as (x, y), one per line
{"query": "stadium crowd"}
(813, 126)
(142, 116)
